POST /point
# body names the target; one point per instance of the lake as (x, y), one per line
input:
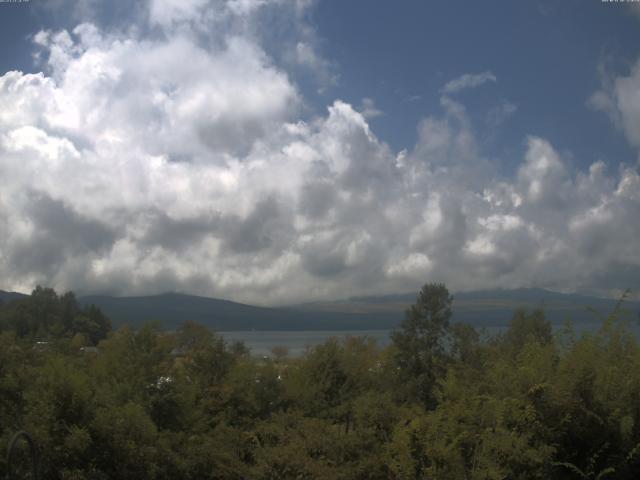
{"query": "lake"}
(261, 342)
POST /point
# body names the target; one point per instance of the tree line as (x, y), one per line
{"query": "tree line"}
(442, 401)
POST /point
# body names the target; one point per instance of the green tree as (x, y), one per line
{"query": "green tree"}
(421, 342)
(526, 327)
(44, 316)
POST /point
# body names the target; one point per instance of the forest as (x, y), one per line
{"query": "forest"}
(443, 401)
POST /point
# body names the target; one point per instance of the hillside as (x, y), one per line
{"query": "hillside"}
(172, 309)
(9, 296)
(488, 307)
(480, 308)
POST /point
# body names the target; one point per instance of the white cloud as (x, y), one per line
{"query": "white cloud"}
(620, 99)
(415, 267)
(468, 80)
(151, 163)
(543, 176)
(305, 54)
(369, 110)
(168, 13)
(501, 112)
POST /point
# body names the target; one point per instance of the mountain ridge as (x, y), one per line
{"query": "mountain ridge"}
(479, 308)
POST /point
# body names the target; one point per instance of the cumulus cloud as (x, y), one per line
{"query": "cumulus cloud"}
(306, 55)
(369, 110)
(140, 162)
(619, 98)
(468, 80)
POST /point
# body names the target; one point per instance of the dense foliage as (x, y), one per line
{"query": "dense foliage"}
(442, 402)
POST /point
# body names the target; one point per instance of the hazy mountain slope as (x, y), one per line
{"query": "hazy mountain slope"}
(489, 307)
(9, 296)
(172, 309)
(480, 308)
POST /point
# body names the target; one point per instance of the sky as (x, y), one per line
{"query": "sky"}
(283, 151)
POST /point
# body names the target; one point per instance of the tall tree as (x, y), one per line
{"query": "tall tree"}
(420, 342)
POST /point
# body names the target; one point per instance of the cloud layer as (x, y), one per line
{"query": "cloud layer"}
(162, 156)
(468, 80)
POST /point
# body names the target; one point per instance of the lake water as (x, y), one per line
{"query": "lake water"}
(261, 342)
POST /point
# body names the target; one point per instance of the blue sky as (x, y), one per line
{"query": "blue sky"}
(545, 56)
(337, 160)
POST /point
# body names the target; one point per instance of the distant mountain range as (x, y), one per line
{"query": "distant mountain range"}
(9, 296)
(488, 308)
(485, 308)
